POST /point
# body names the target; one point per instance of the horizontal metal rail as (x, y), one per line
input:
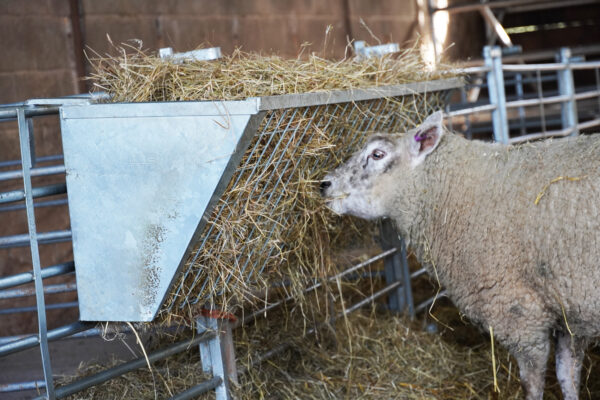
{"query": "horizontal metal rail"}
(43, 238)
(38, 171)
(19, 195)
(555, 133)
(198, 389)
(430, 301)
(54, 334)
(471, 110)
(551, 66)
(317, 285)
(21, 386)
(47, 203)
(343, 96)
(26, 277)
(48, 289)
(11, 113)
(54, 306)
(552, 99)
(12, 163)
(124, 368)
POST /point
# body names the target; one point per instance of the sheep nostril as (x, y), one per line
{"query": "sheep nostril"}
(324, 185)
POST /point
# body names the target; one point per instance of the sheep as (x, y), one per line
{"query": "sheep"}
(512, 233)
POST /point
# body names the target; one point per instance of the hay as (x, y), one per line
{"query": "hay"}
(136, 75)
(379, 357)
(271, 226)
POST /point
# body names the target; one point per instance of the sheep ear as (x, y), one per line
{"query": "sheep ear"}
(425, 138)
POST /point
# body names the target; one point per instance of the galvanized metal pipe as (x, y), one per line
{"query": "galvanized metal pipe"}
(33, 340)
(26, 277)
(317, 285)
(124, 368)
(54, 306)
(198, 389)
(48, 203)
(39, 171)
(429, 301)
(25, 140)
(18, 195)
(42, 238)
(48, 289)
(21, 386)
(11, 163)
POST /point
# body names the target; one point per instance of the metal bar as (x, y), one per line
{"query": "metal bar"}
(559, 132)
(12, 163)
(344, 96)
(566, 87)
(540, 94)
(122, 369)
(88, 332)
(211, 354)
(198, 389)
(406, 275)
(48, 203)
(550, 66)
(54, 334)
(29, 112)
(25, 138)
(48, 289)
(466, 7)
(430, 301)
(55, 306)
(519, 91)
(21, 386)
(18, 195)
(42, 238)
(495, 78)
(39, 171)
(26, 277)
(317, 285)
(471, 110)
(553, 99)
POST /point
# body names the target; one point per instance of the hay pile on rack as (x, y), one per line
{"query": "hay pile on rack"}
(270, 225)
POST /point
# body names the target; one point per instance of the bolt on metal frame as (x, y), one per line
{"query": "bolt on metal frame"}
(212, 333)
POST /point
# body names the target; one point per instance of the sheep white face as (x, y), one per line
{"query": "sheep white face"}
(364, 186)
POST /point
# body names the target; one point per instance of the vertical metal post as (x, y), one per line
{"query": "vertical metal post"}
(396, 269)
(25, 139)
(566, 87)
(217, 354)
(495, 80)
(519, 90)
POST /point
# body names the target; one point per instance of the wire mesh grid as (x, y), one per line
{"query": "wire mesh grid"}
(270, 225)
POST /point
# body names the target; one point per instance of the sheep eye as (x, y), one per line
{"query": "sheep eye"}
(377, 154)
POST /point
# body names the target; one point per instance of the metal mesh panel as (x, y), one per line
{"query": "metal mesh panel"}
(263, 224)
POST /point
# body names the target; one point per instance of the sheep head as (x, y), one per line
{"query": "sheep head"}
(369, 183)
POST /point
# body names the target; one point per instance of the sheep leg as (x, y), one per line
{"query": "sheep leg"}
(532, 359)
(569, 359)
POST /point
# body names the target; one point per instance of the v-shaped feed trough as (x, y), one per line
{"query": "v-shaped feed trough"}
(141, 179)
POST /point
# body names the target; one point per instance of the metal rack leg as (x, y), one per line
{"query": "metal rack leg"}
(217, 354)
(26, 138)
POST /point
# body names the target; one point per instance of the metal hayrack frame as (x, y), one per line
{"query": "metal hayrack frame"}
(358, 112)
